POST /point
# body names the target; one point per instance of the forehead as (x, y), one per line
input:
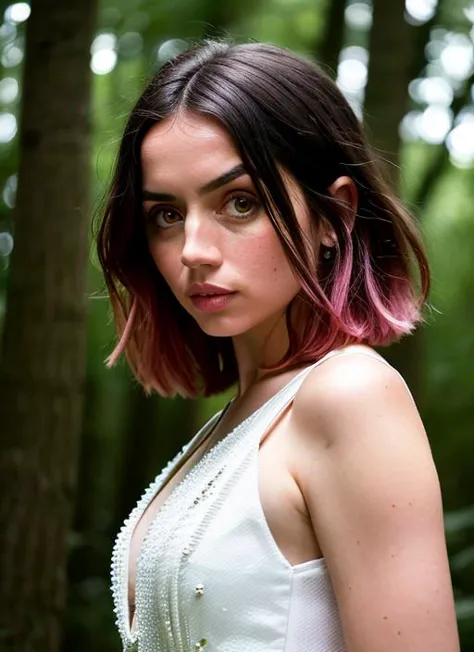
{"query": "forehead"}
(187, 145)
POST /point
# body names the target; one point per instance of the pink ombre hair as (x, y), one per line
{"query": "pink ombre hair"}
(282, 112)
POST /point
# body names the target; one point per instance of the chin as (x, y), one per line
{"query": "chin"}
(214, 328)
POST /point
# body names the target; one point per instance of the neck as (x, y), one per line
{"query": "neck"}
(263, 346)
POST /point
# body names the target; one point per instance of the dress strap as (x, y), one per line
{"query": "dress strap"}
(275, 406)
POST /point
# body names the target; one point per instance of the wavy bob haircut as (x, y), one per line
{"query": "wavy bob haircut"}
(282, 113)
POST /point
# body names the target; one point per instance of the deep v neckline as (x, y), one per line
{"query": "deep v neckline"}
(183, 457)
(122, 550)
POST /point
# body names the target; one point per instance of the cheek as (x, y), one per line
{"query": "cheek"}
(166, 261)
(265, 261)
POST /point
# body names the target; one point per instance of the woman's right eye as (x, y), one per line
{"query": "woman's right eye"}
(163, 218)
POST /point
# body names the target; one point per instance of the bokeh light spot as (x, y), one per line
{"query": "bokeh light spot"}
(421, 10)
(130, 44)
(469, 12)
(6, 243)
(8, 127)
(103, 61)
(171, 48)
(460, 142)
(12, 55)
(457, 56)
(8, 90)
(359, 15)
(434, 124)
(431, 90)
(9, 191)
(104, 41)
(352, 70)
(18, 12)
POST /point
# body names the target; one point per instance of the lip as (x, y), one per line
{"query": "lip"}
(204, 289)
(212, 302)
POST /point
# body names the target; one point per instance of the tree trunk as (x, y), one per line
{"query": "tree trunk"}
(390, 66)
(41, 380)
(155, 430)
(330, 46)
(386, 98)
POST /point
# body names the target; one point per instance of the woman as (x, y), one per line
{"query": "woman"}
(249, 238)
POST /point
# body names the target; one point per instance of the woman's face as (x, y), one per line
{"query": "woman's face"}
(205, 225)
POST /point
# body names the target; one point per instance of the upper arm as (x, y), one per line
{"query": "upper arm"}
(371, 487)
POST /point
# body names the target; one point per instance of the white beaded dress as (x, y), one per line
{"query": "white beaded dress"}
(210, 576)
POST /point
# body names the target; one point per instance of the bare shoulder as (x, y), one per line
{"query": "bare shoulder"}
(365, 469)
(353, 388)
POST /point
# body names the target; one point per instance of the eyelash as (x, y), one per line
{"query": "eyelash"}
(152, 214)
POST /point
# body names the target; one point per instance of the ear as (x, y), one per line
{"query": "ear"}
(344, 190)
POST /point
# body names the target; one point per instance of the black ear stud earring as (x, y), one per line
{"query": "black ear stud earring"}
(328, 253)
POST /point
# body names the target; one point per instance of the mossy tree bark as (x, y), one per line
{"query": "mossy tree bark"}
(42, 371)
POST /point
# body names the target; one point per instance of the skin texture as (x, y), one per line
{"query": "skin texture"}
(373, 496)
(208, 240)
(348, 465)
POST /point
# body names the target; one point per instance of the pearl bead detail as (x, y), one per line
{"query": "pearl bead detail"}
(161, 610)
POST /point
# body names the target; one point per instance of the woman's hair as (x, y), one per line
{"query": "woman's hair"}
(282, 113)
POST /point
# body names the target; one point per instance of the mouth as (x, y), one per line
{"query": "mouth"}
(207, 289)
(208, 302)
(210, 294)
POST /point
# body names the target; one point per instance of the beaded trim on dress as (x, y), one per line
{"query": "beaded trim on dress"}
(121, 551)
(120, 554)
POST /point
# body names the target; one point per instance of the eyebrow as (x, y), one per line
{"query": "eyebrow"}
(222, 180)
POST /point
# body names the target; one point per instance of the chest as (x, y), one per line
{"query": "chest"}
(278, 493)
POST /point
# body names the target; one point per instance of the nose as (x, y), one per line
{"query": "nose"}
(201, 246)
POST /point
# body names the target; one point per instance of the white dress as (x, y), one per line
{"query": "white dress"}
(210, 576)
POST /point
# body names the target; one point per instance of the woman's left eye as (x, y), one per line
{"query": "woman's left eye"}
(241, 206)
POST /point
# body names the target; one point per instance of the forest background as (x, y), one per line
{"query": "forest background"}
(79, 442)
